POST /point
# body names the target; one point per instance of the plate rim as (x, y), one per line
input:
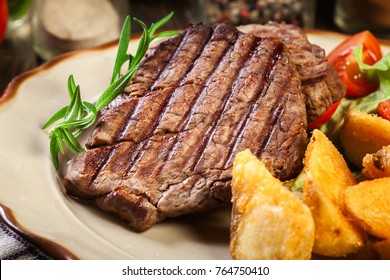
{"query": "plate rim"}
(12, 87)
(51, 248)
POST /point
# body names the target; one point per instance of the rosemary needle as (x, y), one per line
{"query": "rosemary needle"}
(67, 123)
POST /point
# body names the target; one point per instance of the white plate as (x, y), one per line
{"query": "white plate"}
(31, 197)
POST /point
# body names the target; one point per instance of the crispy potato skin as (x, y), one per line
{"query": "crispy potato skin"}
(327, 166)
(382, 249)
(327, 177)
(335, 235)
(271, 222)
(368, 203)
(363, 134)
(377, 165)
(268, 220)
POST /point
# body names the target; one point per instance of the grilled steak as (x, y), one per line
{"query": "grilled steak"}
(320, 83)
(166, 146)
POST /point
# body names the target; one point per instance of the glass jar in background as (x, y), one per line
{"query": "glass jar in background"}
(19, 12)
(61, 26)
(238, 12)
(353, 16)
(16, 50)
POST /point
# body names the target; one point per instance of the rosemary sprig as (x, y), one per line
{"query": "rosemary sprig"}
(67, 124)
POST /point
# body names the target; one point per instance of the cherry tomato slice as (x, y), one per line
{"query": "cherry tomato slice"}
(325, 117)
(3, 18)
(384, 109)
(348, 69)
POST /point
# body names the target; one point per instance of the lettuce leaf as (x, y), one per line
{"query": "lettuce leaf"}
(296, 185)
(380, 72)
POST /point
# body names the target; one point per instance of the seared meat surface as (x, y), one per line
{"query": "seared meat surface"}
(320, 83)
(166, 146)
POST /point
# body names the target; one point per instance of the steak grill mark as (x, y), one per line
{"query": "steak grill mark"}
(320, 83)
(179, 126)
(218, 92)
(188, 121)
(130, 119)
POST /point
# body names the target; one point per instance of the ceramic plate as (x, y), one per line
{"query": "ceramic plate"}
(32, 200)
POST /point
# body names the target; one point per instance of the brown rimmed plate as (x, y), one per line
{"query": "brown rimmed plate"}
(32, 201)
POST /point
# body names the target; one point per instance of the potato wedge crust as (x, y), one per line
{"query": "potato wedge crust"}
(363, 134)
(382, 249)
(268, 220)
(368, 203)
(325, 164)
(327, 177)
(377, 165)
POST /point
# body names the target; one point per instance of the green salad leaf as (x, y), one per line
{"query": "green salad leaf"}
(379, 72)
(296, 185)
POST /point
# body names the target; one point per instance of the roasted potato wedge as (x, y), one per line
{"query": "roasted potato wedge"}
(377, 165)
(327, 177)
(368, 203)
(268, 220)
(382, 249)
(363, 134)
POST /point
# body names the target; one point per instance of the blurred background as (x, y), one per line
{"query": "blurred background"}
(37, 30)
